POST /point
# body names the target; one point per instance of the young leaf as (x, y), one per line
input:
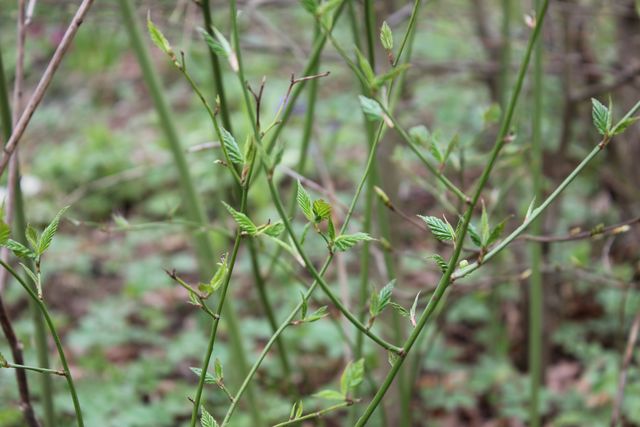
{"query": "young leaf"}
(485, 231)
(49, 232)
(435, 151)
(331, 229)
(386, 36)
(492, 114)
(304, 202)
(3, 362)
(530, 209)
(32, 236)
(412, 312)
(383, 298)
(496, 232)
(213, 44)
(321, 210)
(159, 39)
(330, 395)
(233, 150)
(20, 250)
(475, 237)
(273, 230)
(5, 232)
(365, 67)
(390, 75)
(207, 419)
(601, 116)
(208, 378)
(304, 307)
(442, 264)
(316, 315)
(245, 224)
(226, 46)
(347, 241)
(352, 376)
(624, 124)
(218, 369)
(420, 134)
(296, 410)
(452, 145)
(371, 109)
(310, 6)
(400, 309)
(440, 229)
(217, 279)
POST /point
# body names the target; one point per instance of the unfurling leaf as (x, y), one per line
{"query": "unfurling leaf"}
(309, 5)
(321, 210)
(273, 230)
(624, 124)
(296, 410)
(330, 395)
(412, 312)
(304, 202)
(208, 378)
(218, 369)
(316, 315)
(440, 229)
(440, 262)
(400, 309)
(159, 39)
(347, 241)
(217, 279)
(475, 237)
(213, 44)
(386, 36)
(380, 300)
(233, 150)
(352, 376)
(243, 221)
(207, 419)
(496, 232)
(419, 134)
(530, 209)
(47, 235)
(20, 250)
(5, 232)
(371, 109)
(601, 116)
(365, 67)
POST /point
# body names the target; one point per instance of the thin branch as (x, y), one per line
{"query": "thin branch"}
(619, 228)
(44, 83)
(622, 379)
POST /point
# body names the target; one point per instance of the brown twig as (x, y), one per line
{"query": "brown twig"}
(622, 379)
(43, 84)
(587, 234)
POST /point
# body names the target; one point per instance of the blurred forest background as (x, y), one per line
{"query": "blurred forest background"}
(96, 143)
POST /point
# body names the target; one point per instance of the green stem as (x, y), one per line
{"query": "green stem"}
(19, 228)
(316, 414)
(195, 210)
(36, 369)
(446, 277)
(535, 284)
(56, 338)
(216, 69)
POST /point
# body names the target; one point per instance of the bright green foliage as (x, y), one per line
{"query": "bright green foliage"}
(321, 210)
(296, 410)
(208, 378)
(207, 419)
(601, 116)
(217, 366)
(440, 229)
(232, 148)
(217, 280)
(309, 5)
(386, 36)
(440, 262)
(347, 241)
(379, 301)
(371, 109)
(159, 39)
(47, 235)
(352, 376)
(304, 202)
(246, 225)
